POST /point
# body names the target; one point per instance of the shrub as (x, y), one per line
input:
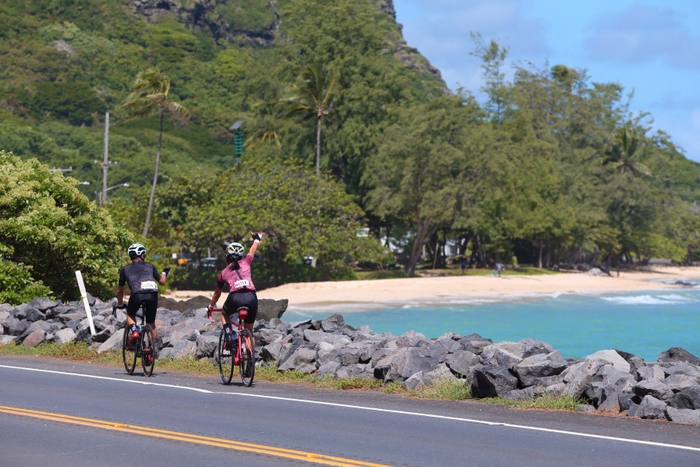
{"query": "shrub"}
(49, 228)
(17, 285)
(74, 102)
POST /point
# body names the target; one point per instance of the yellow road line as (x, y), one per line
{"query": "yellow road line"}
(190, 438)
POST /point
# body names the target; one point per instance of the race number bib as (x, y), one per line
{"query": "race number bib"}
(149, 285)
(241, 284)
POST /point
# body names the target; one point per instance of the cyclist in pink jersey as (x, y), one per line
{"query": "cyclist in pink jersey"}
(238, 277)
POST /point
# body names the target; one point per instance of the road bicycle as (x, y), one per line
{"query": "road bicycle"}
(144, 347)
(235, 348)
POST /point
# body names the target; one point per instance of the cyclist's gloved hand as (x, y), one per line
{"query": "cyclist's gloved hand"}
(166, 271)
(256, 236)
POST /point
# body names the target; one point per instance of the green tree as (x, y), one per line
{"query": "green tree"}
(51, 230)
(313, 97)
(149, 93)
(626, 152)
(493, 58)
(17, 285)
(420, 169)
(276, 198)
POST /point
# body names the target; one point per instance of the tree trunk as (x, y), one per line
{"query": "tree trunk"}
(155, 178)
(482, 253)
(540, 257)
(318, 148)
(437, 251)
(421, 234)
(464, 244)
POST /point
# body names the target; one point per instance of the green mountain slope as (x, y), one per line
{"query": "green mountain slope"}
(63, 63)
(552, 169)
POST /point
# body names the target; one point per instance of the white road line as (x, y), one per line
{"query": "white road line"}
(372, 409)
(144, 383)
(467, 420)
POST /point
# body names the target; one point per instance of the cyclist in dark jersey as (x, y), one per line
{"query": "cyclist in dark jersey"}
(238, 277)
(143, 279)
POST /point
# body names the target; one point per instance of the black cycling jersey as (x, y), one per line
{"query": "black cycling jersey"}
(140, 277)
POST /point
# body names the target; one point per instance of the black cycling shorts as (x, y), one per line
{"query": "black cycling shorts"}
(247, 299)
(150, 301)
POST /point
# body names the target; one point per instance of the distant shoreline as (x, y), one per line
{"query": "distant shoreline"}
(385, 292)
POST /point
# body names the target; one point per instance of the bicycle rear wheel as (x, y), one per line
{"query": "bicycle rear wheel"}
(148, 351)
(225, 356)
(247, 360)
(129, 351)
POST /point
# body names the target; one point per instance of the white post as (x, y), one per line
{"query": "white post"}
(83, 297)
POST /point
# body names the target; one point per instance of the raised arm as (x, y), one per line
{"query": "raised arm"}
(257, 238)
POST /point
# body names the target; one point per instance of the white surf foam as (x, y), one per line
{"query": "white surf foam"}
(649, 300)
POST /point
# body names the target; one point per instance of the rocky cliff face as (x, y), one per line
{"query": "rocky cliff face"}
(209, 16)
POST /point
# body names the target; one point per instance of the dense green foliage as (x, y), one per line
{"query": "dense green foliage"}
(48, 230)
(552, 169)
(17, 285)
(302, 214)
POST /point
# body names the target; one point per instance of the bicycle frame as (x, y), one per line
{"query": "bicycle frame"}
(247, 367)
(146, 330)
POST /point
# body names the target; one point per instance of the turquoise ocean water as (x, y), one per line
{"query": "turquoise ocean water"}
(644, 323)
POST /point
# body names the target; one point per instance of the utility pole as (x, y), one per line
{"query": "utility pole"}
(105, 163)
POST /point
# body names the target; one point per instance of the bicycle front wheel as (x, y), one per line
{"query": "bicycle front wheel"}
(129, 351)
(225, 357)
(148, 351)
(247, 358)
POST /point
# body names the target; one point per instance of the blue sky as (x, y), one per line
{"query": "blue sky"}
(650, 47)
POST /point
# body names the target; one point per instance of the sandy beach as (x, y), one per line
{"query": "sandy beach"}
(454, 287)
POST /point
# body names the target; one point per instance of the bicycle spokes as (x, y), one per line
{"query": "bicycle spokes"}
(225, 356)
(129, 351)
(246, 363)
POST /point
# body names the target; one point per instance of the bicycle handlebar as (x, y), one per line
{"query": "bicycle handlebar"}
(212, 309)
(115, 307)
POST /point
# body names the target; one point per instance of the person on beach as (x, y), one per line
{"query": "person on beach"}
(237, 275)
(499, 268)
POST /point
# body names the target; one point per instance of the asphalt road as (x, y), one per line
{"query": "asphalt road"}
(123, 420)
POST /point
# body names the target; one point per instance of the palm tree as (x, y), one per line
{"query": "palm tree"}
(150, 94)
(265, 131)
(313, 97)
(626, 152)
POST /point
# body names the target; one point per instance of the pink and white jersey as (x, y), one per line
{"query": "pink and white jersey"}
(237, 279)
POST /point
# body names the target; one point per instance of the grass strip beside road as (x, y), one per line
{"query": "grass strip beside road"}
(446, 390)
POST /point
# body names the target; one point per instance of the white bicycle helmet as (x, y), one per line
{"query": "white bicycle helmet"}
(136, 250)
(235, 252)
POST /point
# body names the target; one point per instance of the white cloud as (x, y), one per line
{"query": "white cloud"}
(640, 34)
(440, 29)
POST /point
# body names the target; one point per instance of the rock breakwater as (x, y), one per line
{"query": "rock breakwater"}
(610, 380)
